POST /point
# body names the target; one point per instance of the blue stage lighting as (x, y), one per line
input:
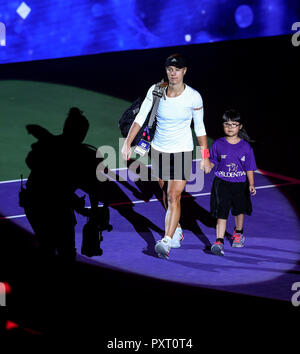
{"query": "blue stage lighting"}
(23, 10)
(244, 16)
(44, 29)
(2, 35)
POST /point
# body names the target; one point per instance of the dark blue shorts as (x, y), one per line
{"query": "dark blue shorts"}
(226, 196)
(171, 166)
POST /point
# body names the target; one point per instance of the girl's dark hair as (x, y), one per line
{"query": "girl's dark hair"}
(234, 116)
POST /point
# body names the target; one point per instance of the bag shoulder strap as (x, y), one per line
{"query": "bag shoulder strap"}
(157, 95)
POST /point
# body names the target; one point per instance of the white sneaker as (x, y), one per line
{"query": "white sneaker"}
(177, 238)
(162, 248)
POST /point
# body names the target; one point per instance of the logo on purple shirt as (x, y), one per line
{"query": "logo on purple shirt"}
(232, 161)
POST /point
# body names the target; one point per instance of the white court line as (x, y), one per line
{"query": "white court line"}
(264, 173)
(156, 200)
(142, 201)
(12, 217)
(12, 181)
(113, 169)
(275, 185)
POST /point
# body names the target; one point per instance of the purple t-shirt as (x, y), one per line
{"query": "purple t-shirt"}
(232, 160)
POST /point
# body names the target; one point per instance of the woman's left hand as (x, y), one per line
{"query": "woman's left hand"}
(205, 165)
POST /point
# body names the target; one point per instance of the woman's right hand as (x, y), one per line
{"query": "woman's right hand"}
(126, 150)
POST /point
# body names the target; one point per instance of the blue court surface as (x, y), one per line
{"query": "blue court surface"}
(267, 266)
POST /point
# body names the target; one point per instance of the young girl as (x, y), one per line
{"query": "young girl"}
(234, 163)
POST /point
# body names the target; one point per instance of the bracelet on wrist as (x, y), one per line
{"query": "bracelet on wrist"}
(205, 153)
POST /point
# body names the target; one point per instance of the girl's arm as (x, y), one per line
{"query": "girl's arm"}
(213, 156)
(250, 176)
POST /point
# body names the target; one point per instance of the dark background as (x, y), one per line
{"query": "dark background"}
(257, 76)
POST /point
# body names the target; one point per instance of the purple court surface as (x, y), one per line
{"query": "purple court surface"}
(267, 266)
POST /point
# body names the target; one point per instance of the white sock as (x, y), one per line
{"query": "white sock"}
(168, 238)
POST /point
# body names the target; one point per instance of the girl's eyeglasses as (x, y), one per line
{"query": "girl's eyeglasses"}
(231, 125)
